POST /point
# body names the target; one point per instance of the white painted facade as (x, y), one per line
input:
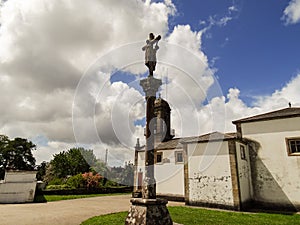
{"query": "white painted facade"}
(18, 187)
(169, 175)
(252, 166)
(277, 179)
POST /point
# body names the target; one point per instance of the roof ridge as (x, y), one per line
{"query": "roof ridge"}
(280, 113)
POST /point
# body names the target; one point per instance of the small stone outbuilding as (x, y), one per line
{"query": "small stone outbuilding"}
(18, 187)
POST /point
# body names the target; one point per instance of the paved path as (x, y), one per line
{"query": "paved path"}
(67, 212)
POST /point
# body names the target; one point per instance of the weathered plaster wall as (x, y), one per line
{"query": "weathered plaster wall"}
(275, 175)
(210, 174)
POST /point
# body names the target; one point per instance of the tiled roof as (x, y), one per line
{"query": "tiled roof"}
(171, 144)
(176, 143)
(214, 136)
(278, 114)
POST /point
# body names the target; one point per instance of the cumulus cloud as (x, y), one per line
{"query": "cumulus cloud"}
(220, 111)
(291, 13)
(45, 48)
(235, 108)
(56, 67)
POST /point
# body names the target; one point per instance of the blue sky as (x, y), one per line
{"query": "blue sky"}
(255, 51)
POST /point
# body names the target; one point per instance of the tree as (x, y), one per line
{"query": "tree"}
(16, 154)
(41, 171)
(72, 162)
(101, 168)
(50, 175)
(59, 165)
(127, 175)
(3, 145)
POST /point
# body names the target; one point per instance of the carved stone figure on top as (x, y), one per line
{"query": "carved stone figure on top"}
(150, 49)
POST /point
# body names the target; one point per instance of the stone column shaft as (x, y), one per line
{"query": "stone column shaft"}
(150, 86)
(149, 187)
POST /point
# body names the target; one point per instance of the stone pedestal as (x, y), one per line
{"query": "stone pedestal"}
(148, 212)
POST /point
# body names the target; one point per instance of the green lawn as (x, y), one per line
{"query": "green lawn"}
(198, 216)
(51, 198)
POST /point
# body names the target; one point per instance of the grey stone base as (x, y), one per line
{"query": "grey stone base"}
(148, 212)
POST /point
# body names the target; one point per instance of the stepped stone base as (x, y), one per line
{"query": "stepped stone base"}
(148, 212)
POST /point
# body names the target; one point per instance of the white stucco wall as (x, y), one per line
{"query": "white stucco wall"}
(209, 174)
(169, 175)
(277, 175)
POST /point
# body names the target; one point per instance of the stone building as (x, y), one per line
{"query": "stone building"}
(257, 166)
(18, 187)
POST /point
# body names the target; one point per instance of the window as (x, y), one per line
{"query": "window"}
(179, 157)
(242, 149)
(159, 157)
(293, 146)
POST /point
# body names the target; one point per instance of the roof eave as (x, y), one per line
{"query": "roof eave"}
(263, 119)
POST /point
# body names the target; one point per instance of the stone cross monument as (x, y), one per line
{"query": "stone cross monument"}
(149, 210)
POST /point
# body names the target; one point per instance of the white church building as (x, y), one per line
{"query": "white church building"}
(257, 166)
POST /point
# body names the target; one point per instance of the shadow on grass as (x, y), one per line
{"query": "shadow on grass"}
(39, 198)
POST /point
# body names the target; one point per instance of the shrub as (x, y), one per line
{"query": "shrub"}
(111, 183)
(76, 181)
(92, 180)
(59, 187)
(56, 181)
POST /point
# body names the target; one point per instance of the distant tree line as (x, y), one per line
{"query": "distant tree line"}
(74, 168)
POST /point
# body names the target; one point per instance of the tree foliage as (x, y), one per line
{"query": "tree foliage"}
(16, 154)
(72, 162)
(127, 175)
(41, 171)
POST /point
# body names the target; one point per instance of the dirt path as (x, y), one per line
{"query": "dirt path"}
(68, 212)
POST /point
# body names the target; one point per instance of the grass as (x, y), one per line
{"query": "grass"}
(199, 216)
(110, 219)
(52, 198)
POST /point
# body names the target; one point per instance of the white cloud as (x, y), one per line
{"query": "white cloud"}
(291, 13)
(281, 98)
(46, 47)
(219, 20)
(235, 108)
(233, 8)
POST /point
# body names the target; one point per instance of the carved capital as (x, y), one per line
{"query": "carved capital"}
(150, 85)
